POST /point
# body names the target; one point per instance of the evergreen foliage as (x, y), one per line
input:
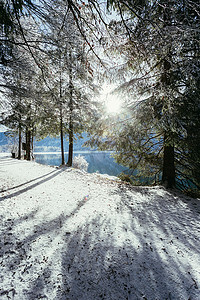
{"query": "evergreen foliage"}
(161, 59)
(60, 89)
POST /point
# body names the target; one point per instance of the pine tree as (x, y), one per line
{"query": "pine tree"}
(161, 58)
(68, 75)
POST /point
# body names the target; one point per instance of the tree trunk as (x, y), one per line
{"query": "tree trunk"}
(32, 141)
(61, 116)
(61, 138)
(71, 140)
(71, 127)
(168, 173)
(20, 142)
(28, 144)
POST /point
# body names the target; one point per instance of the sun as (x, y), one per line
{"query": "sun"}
(112, 102)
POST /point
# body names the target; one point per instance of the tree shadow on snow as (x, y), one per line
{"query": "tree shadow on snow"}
(149, 261)
(9, 161)
(46, 177)
(16, 254)
(142, 260)
(27, 182)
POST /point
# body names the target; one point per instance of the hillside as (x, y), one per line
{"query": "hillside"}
(5, 142)
(67, 234)
(47, 144)
(3, 139)
(50, 144)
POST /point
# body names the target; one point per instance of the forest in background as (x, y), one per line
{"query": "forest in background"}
(55, 57)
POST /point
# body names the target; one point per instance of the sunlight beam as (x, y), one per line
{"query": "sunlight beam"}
(112, 102)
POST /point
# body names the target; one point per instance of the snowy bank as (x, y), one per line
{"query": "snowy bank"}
(67, 234)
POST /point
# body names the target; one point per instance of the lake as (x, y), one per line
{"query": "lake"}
(98, 161)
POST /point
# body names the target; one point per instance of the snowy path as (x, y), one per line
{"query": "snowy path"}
(70, 235)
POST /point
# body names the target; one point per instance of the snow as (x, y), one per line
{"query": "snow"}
(67, 234)
(3, 128)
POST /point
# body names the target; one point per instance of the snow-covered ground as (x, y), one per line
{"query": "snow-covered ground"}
(66, 234)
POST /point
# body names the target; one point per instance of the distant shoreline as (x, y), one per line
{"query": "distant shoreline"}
(76, 151)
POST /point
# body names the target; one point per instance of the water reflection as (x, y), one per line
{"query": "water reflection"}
(101, 162)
